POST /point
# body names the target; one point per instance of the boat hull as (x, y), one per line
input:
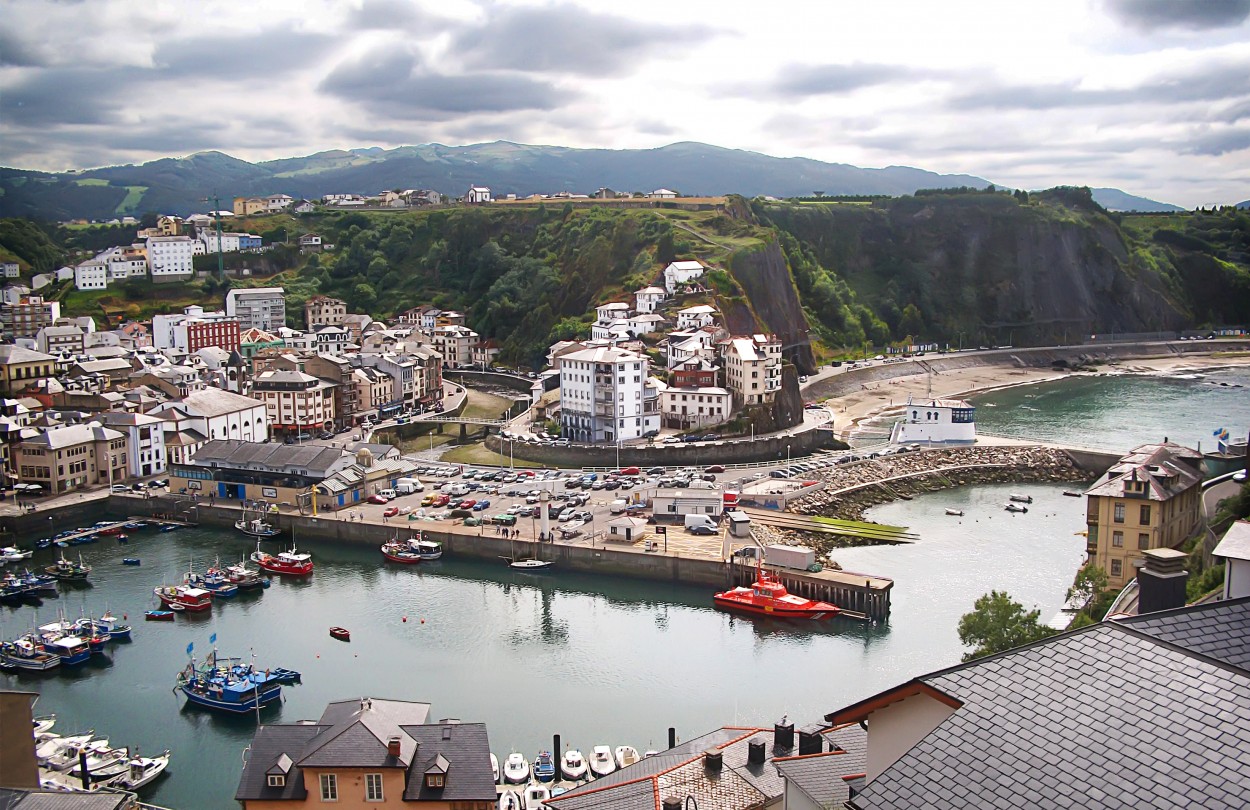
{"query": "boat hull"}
(402, 557)
(822, 610)
(262, 697)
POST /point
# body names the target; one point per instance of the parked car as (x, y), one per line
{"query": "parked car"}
(715, 468)
(377, 499)
(467, 503)
(481, 505)
(119, 488)
(390, 511)
(701, 530)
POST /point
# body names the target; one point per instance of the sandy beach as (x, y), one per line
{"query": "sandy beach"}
(880, 398)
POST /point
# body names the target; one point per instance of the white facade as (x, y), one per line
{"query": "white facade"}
(92, 275)
(170, 257)
(753, 368)
(261, 308)
(936, 421)
(455, 344)
(477, 194)
(145, 445)
(648, 299)
(11, 269)
(229, 242)
(696, 317)
(681, 273)
(218, 414)
(606, 396)
(695, 407)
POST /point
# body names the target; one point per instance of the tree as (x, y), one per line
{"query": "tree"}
(998, 623)
(1089, 585)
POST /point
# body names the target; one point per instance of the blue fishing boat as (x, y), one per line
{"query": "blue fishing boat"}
(228, 688)
(25, 654)
(170, 527)
(215, 580)
(544, 767)
(71, 650)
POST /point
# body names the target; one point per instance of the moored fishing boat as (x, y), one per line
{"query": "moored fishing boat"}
(25, 654)
(516, 770)
(158, 616)
(573, 765)
(544, 767)
(213, 580)
(43, 724)
(256, 527)
(955, 512)
(245, 578)
(494, 768)
(140, 771)
(536, 797)
(601, 761)
(72, 650)
(428, 549)
(1015, 507)
(289, 563)
(1020, 498)
(341, 633)
(768, 597)
(187, 597)
(509, 800)
(400, 552)
(68, 570)
(227, 689)
(15, 554)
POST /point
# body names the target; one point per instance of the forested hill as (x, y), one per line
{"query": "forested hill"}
(934, 267)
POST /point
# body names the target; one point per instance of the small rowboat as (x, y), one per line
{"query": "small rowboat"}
(341, 633)
(159, 616)
(130, 561)
(955, 512)
(1015, 507)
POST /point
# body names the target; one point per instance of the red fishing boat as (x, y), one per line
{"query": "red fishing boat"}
(400, 552)
(291, 563)
(768, 597)
(189, 597)
(341, 633)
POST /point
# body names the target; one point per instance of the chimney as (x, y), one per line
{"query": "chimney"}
(783, 734)
(671, 803)
(713, 760)
(392, 746)
(755, 752)
(1161, 580)
(810, 741)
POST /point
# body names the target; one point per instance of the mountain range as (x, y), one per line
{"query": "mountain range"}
(185, 185)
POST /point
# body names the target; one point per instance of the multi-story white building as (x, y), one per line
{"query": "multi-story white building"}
(678, 273)
(648, 299)
(752, 367)
(261, 308)
(295, 402)
(218, 414)
(194, 329)
(91, 275)
(11, 269)
(145, 444)
(696, 317)
(685, 408)
(169, 257)
(57, 340)
(230, 242)
(606, 396)
(455, 344)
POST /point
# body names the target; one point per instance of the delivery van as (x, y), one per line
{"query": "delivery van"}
(407, 486)
(700, 520)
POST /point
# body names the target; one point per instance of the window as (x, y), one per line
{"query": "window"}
(277, 780)
(1117, 539)
(1145, 515)
(1119, 513)
(373, 787)
(1143, 540)
(1117, 568)
(434, 780)
(329, 787)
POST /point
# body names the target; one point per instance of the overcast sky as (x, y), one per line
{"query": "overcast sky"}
(1151, 96)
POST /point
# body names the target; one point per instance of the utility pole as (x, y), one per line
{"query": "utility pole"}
(221, 262)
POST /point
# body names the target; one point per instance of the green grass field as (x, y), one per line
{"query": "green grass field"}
(130, 203)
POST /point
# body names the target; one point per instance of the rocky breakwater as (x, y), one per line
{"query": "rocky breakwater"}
(851, 489)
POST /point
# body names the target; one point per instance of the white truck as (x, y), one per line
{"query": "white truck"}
(700, 520)
(407, 486)
(798, 557)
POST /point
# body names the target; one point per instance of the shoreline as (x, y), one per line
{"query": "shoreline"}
(878, 399)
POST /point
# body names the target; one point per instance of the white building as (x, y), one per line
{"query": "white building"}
(663, 194)
(1234, 549)
(936, 421)
(277, 202)
(685, 408)
(217, 414)
(696, 317)
(648, 299)
(455, 344)
(606, 396)
(169, 257)
(61, 340)
(145, 445)
(11, 269)
(261, 308)
(92, 275)
(675, 504)
(477, 194)
(752, 367)
(681, 273)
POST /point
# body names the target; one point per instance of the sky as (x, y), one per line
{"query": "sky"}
(1150, 96)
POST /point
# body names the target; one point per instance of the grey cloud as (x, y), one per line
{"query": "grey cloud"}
(1207, 84)
(265, 53)
(395, 83)
(64, 96)
(391, 15)
(16, 53)
(567, 38)
(1216, 143)
(1194, 15)
(817, 80)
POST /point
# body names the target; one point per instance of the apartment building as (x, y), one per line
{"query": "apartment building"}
(455, 344)
(1150, 499)
(56, 340)
(68, 457)
(20, 368)
(295, 402)
(321, 310)
(92, 275)
(648, 299)
(752, 367)
(195, 329)
(606, 396)
(696, 406)
(170, 257)
(258, 307)
(23, 316)
(145, 441)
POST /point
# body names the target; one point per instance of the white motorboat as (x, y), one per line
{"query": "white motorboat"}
(626, 755)
(573, 765)
(1020, 498)
(509, 800)
(140, 771)
(42, 725)
(102, 761)
(1015, 507)
(55, 744)
(955, 512)
(494, 767)
(15, 554)
(601, 761)
(516, 769)
(536, 797)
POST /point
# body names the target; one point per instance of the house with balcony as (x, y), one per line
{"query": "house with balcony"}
(296, 403)
(696, 317)
(607, 395)
(648, 299)
(678, 274)
(1150, 499)
(752, 368)
(145, 441)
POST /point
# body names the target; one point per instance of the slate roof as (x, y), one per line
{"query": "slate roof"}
(358, 731)
(270, 744)
(1123, 714)
(466, 749)
(19, 799)
(234, 453)
(821, 776)
(1153, 464)
(10, 354)
(1219, 630)
(1236, 542)
(217, 401)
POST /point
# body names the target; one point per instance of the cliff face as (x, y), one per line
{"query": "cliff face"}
(987, 267)
(765, 278)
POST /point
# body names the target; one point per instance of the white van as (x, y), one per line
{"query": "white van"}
(700, 520)
(389, 494)
(407, 486)
(618, 506)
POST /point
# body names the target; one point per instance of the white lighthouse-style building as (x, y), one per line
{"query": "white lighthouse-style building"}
(936, 421)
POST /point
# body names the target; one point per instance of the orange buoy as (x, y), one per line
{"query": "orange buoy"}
(405, 618)
(423, 621)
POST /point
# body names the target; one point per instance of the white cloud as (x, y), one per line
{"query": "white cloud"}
(1137, 94)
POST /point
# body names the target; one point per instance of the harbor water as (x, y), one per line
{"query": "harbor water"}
(595, 659)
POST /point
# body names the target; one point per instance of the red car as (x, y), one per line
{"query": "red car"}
(467, 503)
(526, 473)
(631, 471)
(715, 468)
(391, 511)
(377, 499)
(442, 500)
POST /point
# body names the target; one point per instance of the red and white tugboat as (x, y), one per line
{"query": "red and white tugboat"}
(768, 597)
(291, 563)
(185, 597)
